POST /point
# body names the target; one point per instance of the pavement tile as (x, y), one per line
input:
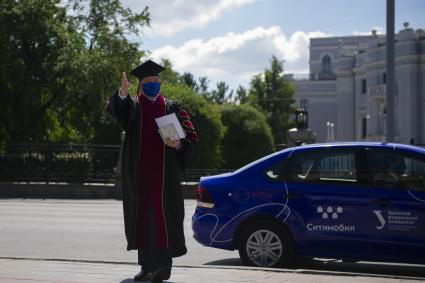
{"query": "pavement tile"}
(46, 271)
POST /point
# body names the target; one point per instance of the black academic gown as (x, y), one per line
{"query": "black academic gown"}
(127, 113)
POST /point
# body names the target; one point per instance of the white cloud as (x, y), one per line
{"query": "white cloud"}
(236, 57)
(173, 16)
(379, 30)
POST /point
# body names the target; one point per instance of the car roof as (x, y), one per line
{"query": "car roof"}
(361, 144)
(301, 148)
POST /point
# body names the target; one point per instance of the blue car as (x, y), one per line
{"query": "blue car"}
(350, 201)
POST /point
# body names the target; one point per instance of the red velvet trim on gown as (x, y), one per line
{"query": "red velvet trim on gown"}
(152, 156)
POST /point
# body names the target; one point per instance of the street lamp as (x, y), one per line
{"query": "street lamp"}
(367, 126)
(330, 133)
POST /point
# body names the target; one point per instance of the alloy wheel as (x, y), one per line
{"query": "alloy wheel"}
(264, 248)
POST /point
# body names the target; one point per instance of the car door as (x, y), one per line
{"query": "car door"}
(397, 204)
(328, 203)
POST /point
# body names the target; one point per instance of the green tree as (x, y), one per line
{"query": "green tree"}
(206, 119)
(57, 70)
(272, 93)
(241, 96)
(106, 26)
(189, 79)
(36, 44)
(221, 94)
(199, 86)
(169, 76)
(248, 136)
(107, 20)
(203, 83)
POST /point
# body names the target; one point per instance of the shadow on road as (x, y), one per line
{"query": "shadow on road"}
(361, 268)
(386, 269)
(129, 280)
(226, 262)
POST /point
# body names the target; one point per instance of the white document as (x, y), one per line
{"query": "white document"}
(169, 126)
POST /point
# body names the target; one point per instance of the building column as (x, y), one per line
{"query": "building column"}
(345, 124)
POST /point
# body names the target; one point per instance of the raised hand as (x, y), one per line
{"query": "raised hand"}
(172, 143)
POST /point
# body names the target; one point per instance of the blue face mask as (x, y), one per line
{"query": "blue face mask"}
(151, 89)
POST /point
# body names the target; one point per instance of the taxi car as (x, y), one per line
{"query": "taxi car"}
(351, 201)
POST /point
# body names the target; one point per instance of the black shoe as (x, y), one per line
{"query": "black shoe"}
(142, 277)
(161, 274)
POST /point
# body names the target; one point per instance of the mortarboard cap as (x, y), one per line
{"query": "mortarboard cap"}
(148, 68)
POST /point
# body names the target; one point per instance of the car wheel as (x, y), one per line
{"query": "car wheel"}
(265, 244)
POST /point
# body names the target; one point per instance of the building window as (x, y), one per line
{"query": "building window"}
(384, 78)
(326, 64)
(364, 86)
(304, 103)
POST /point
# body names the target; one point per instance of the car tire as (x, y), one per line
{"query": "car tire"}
(266, 244)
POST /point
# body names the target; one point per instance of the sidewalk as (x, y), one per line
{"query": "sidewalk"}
(47, 271)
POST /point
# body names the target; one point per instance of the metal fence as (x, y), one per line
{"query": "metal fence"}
(69, 163)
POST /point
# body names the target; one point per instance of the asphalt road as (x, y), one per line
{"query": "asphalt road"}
(92, 230)
(83, 230)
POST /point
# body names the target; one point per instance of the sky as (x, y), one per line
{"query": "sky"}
(232, 40)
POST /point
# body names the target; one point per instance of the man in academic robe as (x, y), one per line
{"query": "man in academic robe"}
(150, 173)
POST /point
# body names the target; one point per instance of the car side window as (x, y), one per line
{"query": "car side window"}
(325, 167)
(391, 169)
(278, 171)
(415, 174)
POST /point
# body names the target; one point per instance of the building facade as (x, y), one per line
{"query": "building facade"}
(345, 92)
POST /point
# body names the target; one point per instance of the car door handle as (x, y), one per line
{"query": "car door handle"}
(293, 196)
(382, 202)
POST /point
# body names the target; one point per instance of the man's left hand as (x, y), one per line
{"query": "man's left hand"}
(176, 144)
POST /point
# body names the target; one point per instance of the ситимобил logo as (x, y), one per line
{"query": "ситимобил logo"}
(330, 212)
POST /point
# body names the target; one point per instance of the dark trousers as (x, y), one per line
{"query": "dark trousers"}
(152, 259)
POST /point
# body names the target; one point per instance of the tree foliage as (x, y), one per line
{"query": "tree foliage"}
(57, 69)
(106, 20)
(248, 136)
(206, 119)
(272, 93)
(105, 26)
(241, 96)
(199, 86)
(61, 60)
(189, 80)
(222, 94)
(169, 76)
(36, 47)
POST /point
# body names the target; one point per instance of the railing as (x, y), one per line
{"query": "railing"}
(311, 77)
(73, 163)
(70, 163)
